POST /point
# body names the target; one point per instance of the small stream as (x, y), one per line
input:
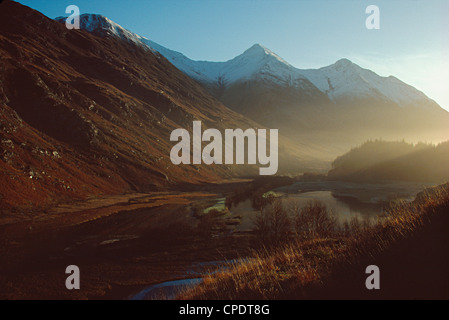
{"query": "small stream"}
(166, 290)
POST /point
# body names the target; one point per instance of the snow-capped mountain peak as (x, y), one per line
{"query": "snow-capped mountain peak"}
(345, 80)
(259, 63)
(343, 63)
(258, 51)
(103, 26)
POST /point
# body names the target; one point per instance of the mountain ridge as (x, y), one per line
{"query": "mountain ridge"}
(260, 62)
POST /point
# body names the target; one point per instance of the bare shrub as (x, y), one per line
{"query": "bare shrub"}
(272, 224)
(315, 221)
(357, 225)
(210, 224)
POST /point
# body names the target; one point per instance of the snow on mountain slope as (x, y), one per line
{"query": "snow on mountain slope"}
(101, 25)
(346, 80)
(257, 62)
(203, 71)
(261, 63)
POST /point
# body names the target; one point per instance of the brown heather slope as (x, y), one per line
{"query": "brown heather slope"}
(82, 116)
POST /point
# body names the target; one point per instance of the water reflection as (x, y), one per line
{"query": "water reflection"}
(345, 203)
(344, 208)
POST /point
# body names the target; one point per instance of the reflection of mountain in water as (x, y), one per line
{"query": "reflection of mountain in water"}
(358, 206)
(343, 208)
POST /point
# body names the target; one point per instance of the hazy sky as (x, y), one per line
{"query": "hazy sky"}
(412, 43)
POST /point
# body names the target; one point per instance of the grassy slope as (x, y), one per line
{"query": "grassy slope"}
(409, 246)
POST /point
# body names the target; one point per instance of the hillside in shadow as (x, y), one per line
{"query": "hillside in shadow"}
(379, 160)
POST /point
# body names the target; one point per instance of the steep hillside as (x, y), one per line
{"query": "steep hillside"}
(82, 115)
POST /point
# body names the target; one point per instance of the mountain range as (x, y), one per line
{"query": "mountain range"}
(328, 109)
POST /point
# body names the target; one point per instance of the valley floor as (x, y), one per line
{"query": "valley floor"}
(124, 244)
(120, 243)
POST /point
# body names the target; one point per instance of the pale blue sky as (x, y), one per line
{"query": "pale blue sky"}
(412, 43)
